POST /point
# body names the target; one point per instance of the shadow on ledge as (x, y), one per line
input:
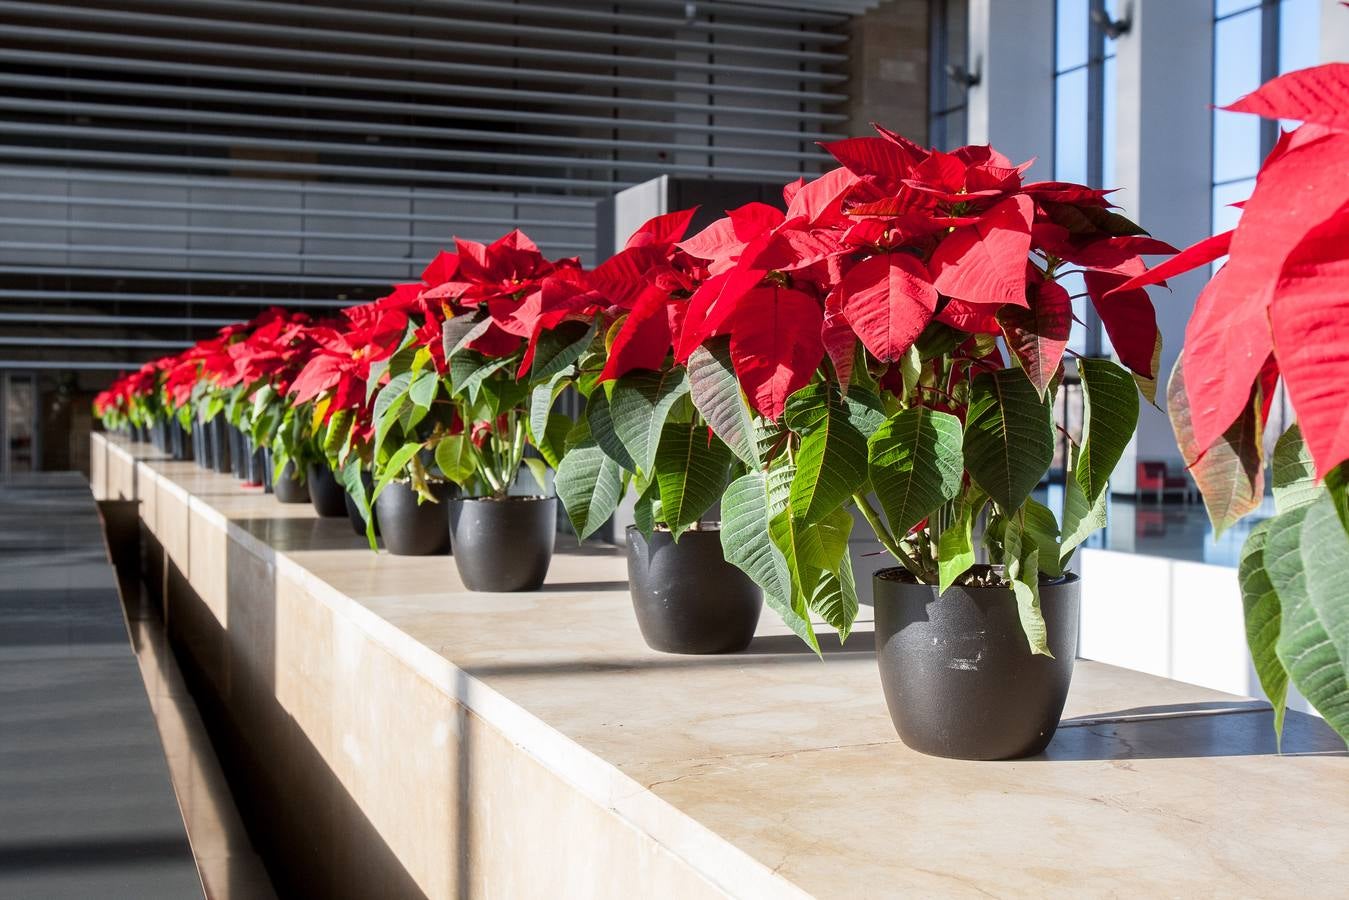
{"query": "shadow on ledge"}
(1190, 730)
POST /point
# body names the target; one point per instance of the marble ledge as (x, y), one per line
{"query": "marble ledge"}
(774, 774)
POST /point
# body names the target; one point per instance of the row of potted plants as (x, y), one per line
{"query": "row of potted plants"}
(881, 352)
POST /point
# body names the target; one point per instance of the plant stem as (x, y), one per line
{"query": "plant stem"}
(897, 550)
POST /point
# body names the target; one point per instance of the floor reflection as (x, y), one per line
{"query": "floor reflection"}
(1171, 530)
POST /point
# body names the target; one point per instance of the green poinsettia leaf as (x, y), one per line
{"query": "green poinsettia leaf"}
(691, 466)
(589, 483)
(1263, 619)
(1110, 415)
(916, 464)
(1009, 436)
(639, 405)
(716, 394)
(831, 460)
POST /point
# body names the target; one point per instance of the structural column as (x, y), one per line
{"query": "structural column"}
(1163, 152)
(1012, 106)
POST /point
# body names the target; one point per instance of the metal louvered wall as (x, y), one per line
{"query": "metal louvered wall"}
(169, 165)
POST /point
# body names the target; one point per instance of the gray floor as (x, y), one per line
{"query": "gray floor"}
(86, 804)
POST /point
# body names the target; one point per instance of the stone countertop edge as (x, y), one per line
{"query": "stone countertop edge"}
(724, 865)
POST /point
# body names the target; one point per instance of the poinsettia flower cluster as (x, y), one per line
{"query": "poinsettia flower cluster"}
(897, 237)
(509, 294)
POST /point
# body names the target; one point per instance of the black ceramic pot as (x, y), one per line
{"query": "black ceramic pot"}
(239, 453)
(180, 444)
(959, 678)
(256, 473)
(266, 470)
(289, 488)
(410, 528)
(201, 446)
(325, 492)
(354, 513)
(501, 545)
(687, 597)
(219, 431)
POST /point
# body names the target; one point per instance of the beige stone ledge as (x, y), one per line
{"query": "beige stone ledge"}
(524, 745)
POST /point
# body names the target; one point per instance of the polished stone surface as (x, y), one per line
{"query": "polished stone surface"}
(86, 805)
(531, 745)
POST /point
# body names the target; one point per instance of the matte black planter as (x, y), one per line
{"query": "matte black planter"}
(239, 453)
(354, 512)
(327, 495)
(255, 474)
(219, 431)
(502, 545)
(410, 528)
(959, 678)
(201, 445)
(180, 443)
(687, 597)
(289, 488)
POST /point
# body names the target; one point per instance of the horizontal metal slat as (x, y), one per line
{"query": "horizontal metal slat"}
(292, 56)
(383, 129)
(154, 228)
(512, 30)
(307, 188)
(365, 173)
(113, 321)
(302, 211)
(700, 21)
(114, 296)
(108, 343)
(197, 93)
(64, 365)
(358, 83)
(232, 141)
(190, 275)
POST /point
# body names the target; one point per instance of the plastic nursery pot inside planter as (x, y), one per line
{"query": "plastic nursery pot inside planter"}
(288, 487)
(959, 677)
(219, 431)
(410, 528)
(354, 511)
(502, 544)
(687, 597)
(325, 492)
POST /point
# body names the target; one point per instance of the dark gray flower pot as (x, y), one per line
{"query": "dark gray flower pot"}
(502, 545)
(289, 488)
(219, 431)
(410, 528)
(325, 492)
(687, 597)
(959, 677)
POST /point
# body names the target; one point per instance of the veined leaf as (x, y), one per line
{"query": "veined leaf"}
(1110, 414)
(339, 430)
(454, 457)
(955, 546)
(1292, 472)
(1325, 560)
(538, 469)
(1009, 436)
(717, 397)
(558, 348)
(422, 391)
(745, 513)
(541, 399)
(916, 465)
(389, 405)
(589, 483)
(1304, 646)
(1037, 335)
(553, 442)
(831, 462)
(468, 370)
(639, 405)
(1263, 617)
(1041, 529)
(1231, 473)
(395, 466)
(691, 467)
(599, 415)
(352, 477)
(835, 598)
(1023, 571)
(1081, 517)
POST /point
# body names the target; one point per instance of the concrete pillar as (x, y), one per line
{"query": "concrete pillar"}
(1334, 31)
(1163, 132)
(1012, 106)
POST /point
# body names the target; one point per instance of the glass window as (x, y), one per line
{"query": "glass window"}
(1070, 127)
(1236, 72)
(1299, 34)
(1072, 31)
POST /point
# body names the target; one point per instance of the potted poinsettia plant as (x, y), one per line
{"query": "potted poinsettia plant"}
(644, 432)
(1278, 312)
(411, 414)
(515, 323)
(866, 327)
